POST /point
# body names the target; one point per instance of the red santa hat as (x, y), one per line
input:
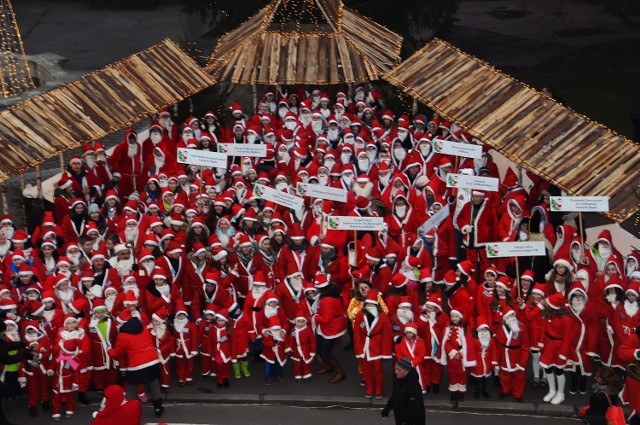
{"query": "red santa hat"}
(98, 304)
(174, 247)
(562, 261)
(450, 278)
(556, 301)
(161, 314)
(458, 312)
(7, 304)
(372, 297)
(124, 316)
(78, 305)
(181, 308)
(405, 301)
(145, 254)
(528, 274)
(614, 282)
(244, 240)
(374, 253)
(411, 327)
(65, 181)
(259, 279)
(223, 314)
(25, 270)
(236, 108)
(466, 267)
(482, 324)
(577, 288)
(504, 282)
(399, 280)
(425, 275)
(320, 281)
(130, 299)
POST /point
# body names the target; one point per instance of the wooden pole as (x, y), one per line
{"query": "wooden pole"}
(61, 157)
(39, 181)
(255, 95)
(355, 246)
(414, 107)
(3, 193)
(518, 277)
(200, 184)
(581, 230)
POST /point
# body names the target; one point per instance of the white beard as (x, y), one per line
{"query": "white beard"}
(348, 181)
(385, 179)
(277, 335)
(91, 162)
(224, 239)
(96, 291)
(558, 245)
(317, 126)
(363, 164)
(345, 158)
(158, 162)
(48, 314)
(577, 305)
(133, 288)
(166, 123)
(611, 298)
(270, 311)
(323, 180)
(8, 232)
(630, 268)
(159, 330)
(333, 135)
(399, 154)
(179, 324)
(164, 289)
(363, 191)
(513, 324)
(631, 308)
(296, 284)
(132, 150)
(29, 338)
(484, 337)
(258, 292)
(401, 212)
(155, 138)
(123, 267)
(12, 336)
(67, 335)
(4, 249)
(405, 316)
(479, 163)
(131, 235)
(65, 296)
(109, 302)
(148, 267)
(75, 258)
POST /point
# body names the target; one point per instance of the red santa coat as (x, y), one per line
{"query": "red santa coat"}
(220, 343)
(44, 351)
(253, 313)
(629, 352)
(128, 168)
(187, 341)
(513, 348)
(100, 343)
(154, 300)
(623, 325)
(461, 300)
(486, 358)
(165, 343)
(484, 224)
(556, 343)
(431, 334)
(135, 347)
(242, 275)
(302, 344)
(219, 298)
(289, 300)
(372, 340)
(66, 369)
(585, 328)
(329, 321)
(416, 351)
(456, 338)
(117, 410)
(274, 351)
(535, 323)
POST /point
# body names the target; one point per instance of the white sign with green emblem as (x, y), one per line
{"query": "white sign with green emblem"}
(463, 181)
(322, 192)
(243, 149)
(515, 249)
(280, 198)
(344, 222)
(202, 158)
(579, 203)
(466, 150)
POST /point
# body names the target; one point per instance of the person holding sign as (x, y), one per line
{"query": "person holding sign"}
(478, 224)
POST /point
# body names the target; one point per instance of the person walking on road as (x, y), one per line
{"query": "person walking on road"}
(406, 400)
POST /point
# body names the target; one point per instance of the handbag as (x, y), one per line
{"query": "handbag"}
(614, 414)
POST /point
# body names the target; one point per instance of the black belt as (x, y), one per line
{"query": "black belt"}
(553, 338)
(512, 347)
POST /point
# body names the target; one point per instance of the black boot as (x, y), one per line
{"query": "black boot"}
(483, 386)
(454, 399)
(33, 412)
(349, 345)
(476, 389)
(46, 407)
(436, 388)
(82, 398)
(575, 379)
(158, 410)
(583, 384)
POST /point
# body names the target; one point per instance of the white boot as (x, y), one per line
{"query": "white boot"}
(559, 397)
(551, 381)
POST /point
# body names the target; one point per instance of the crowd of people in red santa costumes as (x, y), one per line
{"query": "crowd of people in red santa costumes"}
(214, 273)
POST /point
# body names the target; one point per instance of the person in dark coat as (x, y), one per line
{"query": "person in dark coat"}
(605, 394)
(406, 400)
(6, 358)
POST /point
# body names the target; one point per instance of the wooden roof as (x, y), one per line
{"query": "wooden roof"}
(99, 103)
(326, 43)
(567, 149)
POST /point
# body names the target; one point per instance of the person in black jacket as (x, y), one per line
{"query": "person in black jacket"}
(406, 399)
(6, 358)
(605, 394)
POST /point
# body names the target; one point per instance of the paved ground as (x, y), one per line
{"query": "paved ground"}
(195, 414)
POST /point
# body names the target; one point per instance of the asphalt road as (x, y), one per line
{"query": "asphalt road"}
(239, 414)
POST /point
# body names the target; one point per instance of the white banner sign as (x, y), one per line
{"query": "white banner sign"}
(462, 181)
(580, 203)
(320, 191)
(355, 223)
(202, 158)
(281, 198)
(515, 249)
(458, 149)
(434, 220)
(243, 149)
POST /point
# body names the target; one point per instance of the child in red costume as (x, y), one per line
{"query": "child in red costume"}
(302, 347)
(220, 347)
(187, 340)
(458, 354)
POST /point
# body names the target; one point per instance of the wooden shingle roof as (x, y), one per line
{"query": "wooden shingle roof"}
(333, 45)
(99, 103)
(567, 149)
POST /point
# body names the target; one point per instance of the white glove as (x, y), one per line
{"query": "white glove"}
(453, 353)
(22, 381)
(466, 229)
(610, 330)
(49, 372)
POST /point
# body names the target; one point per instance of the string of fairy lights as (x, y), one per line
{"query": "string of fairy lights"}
(15, 75)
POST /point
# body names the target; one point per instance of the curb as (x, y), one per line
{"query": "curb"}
(470, 406)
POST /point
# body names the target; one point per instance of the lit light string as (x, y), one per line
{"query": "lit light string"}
(15, 75)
